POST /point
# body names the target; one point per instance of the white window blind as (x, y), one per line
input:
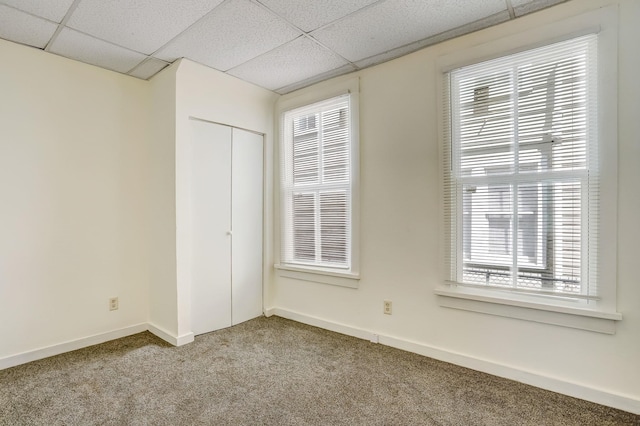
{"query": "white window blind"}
(316, 185)
(521, 171)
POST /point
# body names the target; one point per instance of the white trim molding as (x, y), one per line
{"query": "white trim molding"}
(524, 307)
(84, 342)
(169, 337)
(598, 396)
(68, 346)
(318, 276)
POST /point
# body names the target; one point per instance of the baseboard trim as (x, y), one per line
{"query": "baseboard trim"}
(185, 338)
(319, 322)
(575, 390)
(71, 345)
(169, 337)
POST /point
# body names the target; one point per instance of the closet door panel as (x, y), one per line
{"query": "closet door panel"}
(211, 223)
(247, 209)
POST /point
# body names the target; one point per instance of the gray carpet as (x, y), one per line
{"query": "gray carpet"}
(271, 371)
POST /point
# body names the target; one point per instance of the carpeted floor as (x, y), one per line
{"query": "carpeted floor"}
(271, 371)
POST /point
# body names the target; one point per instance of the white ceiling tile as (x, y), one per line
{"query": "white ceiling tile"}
(456, 32)
(53, 10)
(140, 25)
(293, 62)
(394, 23)
(311, 14)
(24, 28)
(148, 68)
(522, 7)
(246, 39)
(75, 45)
(233, 33)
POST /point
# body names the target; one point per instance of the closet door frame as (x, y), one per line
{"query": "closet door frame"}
(262, 212)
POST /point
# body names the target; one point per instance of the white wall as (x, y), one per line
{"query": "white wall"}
(73, 200)
(163, 308)
(400, 228)
(623, 350)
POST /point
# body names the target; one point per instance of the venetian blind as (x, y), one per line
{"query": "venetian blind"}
(521, 170)
(316, 184)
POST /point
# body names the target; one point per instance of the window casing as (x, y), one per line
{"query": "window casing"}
(317, 154)
(522, 171)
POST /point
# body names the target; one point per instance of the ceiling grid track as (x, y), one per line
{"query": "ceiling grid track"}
(280, 45)
(62, 24)
(512, 13)
(154, 53)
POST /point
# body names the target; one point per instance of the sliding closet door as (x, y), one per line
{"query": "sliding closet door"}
(211, 227)
(247, 210)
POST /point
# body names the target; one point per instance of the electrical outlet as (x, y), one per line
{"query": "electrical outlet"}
(113, 304)
(387, 307)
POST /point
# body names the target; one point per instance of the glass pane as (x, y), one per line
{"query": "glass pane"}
(487, 234)
(567, 220)
(549, 242)
(552, 111)
(335, 146)
(306, 147)
(334, 219)
(485, 124)
(304, 233)
(531, 233)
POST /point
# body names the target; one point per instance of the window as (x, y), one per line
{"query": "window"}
(522, 172)
(317, 169)
(529, 167)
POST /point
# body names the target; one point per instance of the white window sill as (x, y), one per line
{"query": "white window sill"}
(342, 279)
(529, 308)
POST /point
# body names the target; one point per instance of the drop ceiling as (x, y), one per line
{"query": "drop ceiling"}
(281, 45)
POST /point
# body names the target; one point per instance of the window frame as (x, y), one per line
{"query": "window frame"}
(595, 315)
(482, 173)
(340, 276)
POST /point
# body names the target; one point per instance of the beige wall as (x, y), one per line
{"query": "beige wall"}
(400, 231)
(73, 200)
(92, 178)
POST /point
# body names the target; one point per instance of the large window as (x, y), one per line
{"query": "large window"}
(317, 155)
(522, 171)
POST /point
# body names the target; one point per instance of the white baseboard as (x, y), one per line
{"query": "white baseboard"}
(185, 338)
(598, 396)
(169, 337)
(71, 345)
(319, 322)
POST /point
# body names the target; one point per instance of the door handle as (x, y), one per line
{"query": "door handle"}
(229, 233)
